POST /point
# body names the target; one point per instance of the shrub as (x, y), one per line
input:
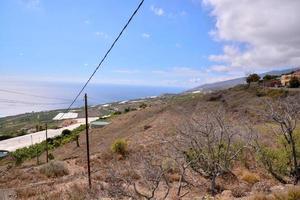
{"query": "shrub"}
(252, 78)
(117, 113)
(76, 192)
(293, 193)
(143, 105)
(277, 93)
(169, 165)
(119, 146)
(269, 77)
(261, 196)
(215, 97)
(250, 178)
(54, 169)
(126, 110)
(50, 156)
(5, 137)
(66, 132)
(294, 82)
(260, 93)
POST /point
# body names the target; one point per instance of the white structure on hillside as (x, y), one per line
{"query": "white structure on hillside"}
(69, 115)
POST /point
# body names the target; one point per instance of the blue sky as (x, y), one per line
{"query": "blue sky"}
(182, 43)
(166, 44)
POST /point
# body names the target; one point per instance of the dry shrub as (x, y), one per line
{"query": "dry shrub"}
(131, 174)
(173, 177)
(250, 177)
(54, 169)
(31, 192)
(169, 165)
(77, 192)
(106, 156)
(261, 196)
(292, 193)
(239, 192)
(25, 193)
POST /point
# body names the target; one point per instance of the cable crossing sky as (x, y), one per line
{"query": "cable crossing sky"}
(106, 54)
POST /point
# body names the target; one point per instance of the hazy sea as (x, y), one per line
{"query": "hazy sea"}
(18, 97)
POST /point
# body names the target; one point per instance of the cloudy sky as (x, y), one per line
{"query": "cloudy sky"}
(182, 43)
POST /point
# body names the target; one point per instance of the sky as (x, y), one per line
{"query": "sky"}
(178, 43)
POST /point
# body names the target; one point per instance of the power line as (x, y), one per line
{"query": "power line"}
(9, 101)
(32, 95)
(111, 47)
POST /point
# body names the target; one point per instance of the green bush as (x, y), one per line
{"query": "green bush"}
(294, 82)
(51, 156)
(119, 146)
(126, 110)
(66, 132)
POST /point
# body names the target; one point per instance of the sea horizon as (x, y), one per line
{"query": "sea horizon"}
(19, 97)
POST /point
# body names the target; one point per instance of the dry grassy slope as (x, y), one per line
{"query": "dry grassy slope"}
(143, 129)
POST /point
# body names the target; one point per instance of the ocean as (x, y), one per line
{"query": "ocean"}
(19, 97)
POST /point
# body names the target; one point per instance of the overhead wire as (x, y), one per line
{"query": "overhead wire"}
(104, 57)
(9, 101)
(33, 95)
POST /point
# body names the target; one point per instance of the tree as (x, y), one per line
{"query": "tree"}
(269, 77)
(283, 160)
(294, 82)
(210, 145)
(252, 78)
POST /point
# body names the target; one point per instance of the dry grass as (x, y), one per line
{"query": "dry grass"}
(293, 193)
(250, 177)
(77, 192)
(54, 169)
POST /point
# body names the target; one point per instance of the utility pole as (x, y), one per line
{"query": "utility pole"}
(87, 140)
(47, 155)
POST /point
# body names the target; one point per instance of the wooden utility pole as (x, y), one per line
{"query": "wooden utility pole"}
(87, 140)
(47, 155)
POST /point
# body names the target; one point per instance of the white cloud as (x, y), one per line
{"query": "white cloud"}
(146, 35)
(258, 35)
(157, 11)
(102, 35)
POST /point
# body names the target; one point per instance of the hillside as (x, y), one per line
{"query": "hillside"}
(150, 132)
(233, 82)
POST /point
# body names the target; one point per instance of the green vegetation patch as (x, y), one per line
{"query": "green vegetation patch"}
(119, 146)
(20, 155)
